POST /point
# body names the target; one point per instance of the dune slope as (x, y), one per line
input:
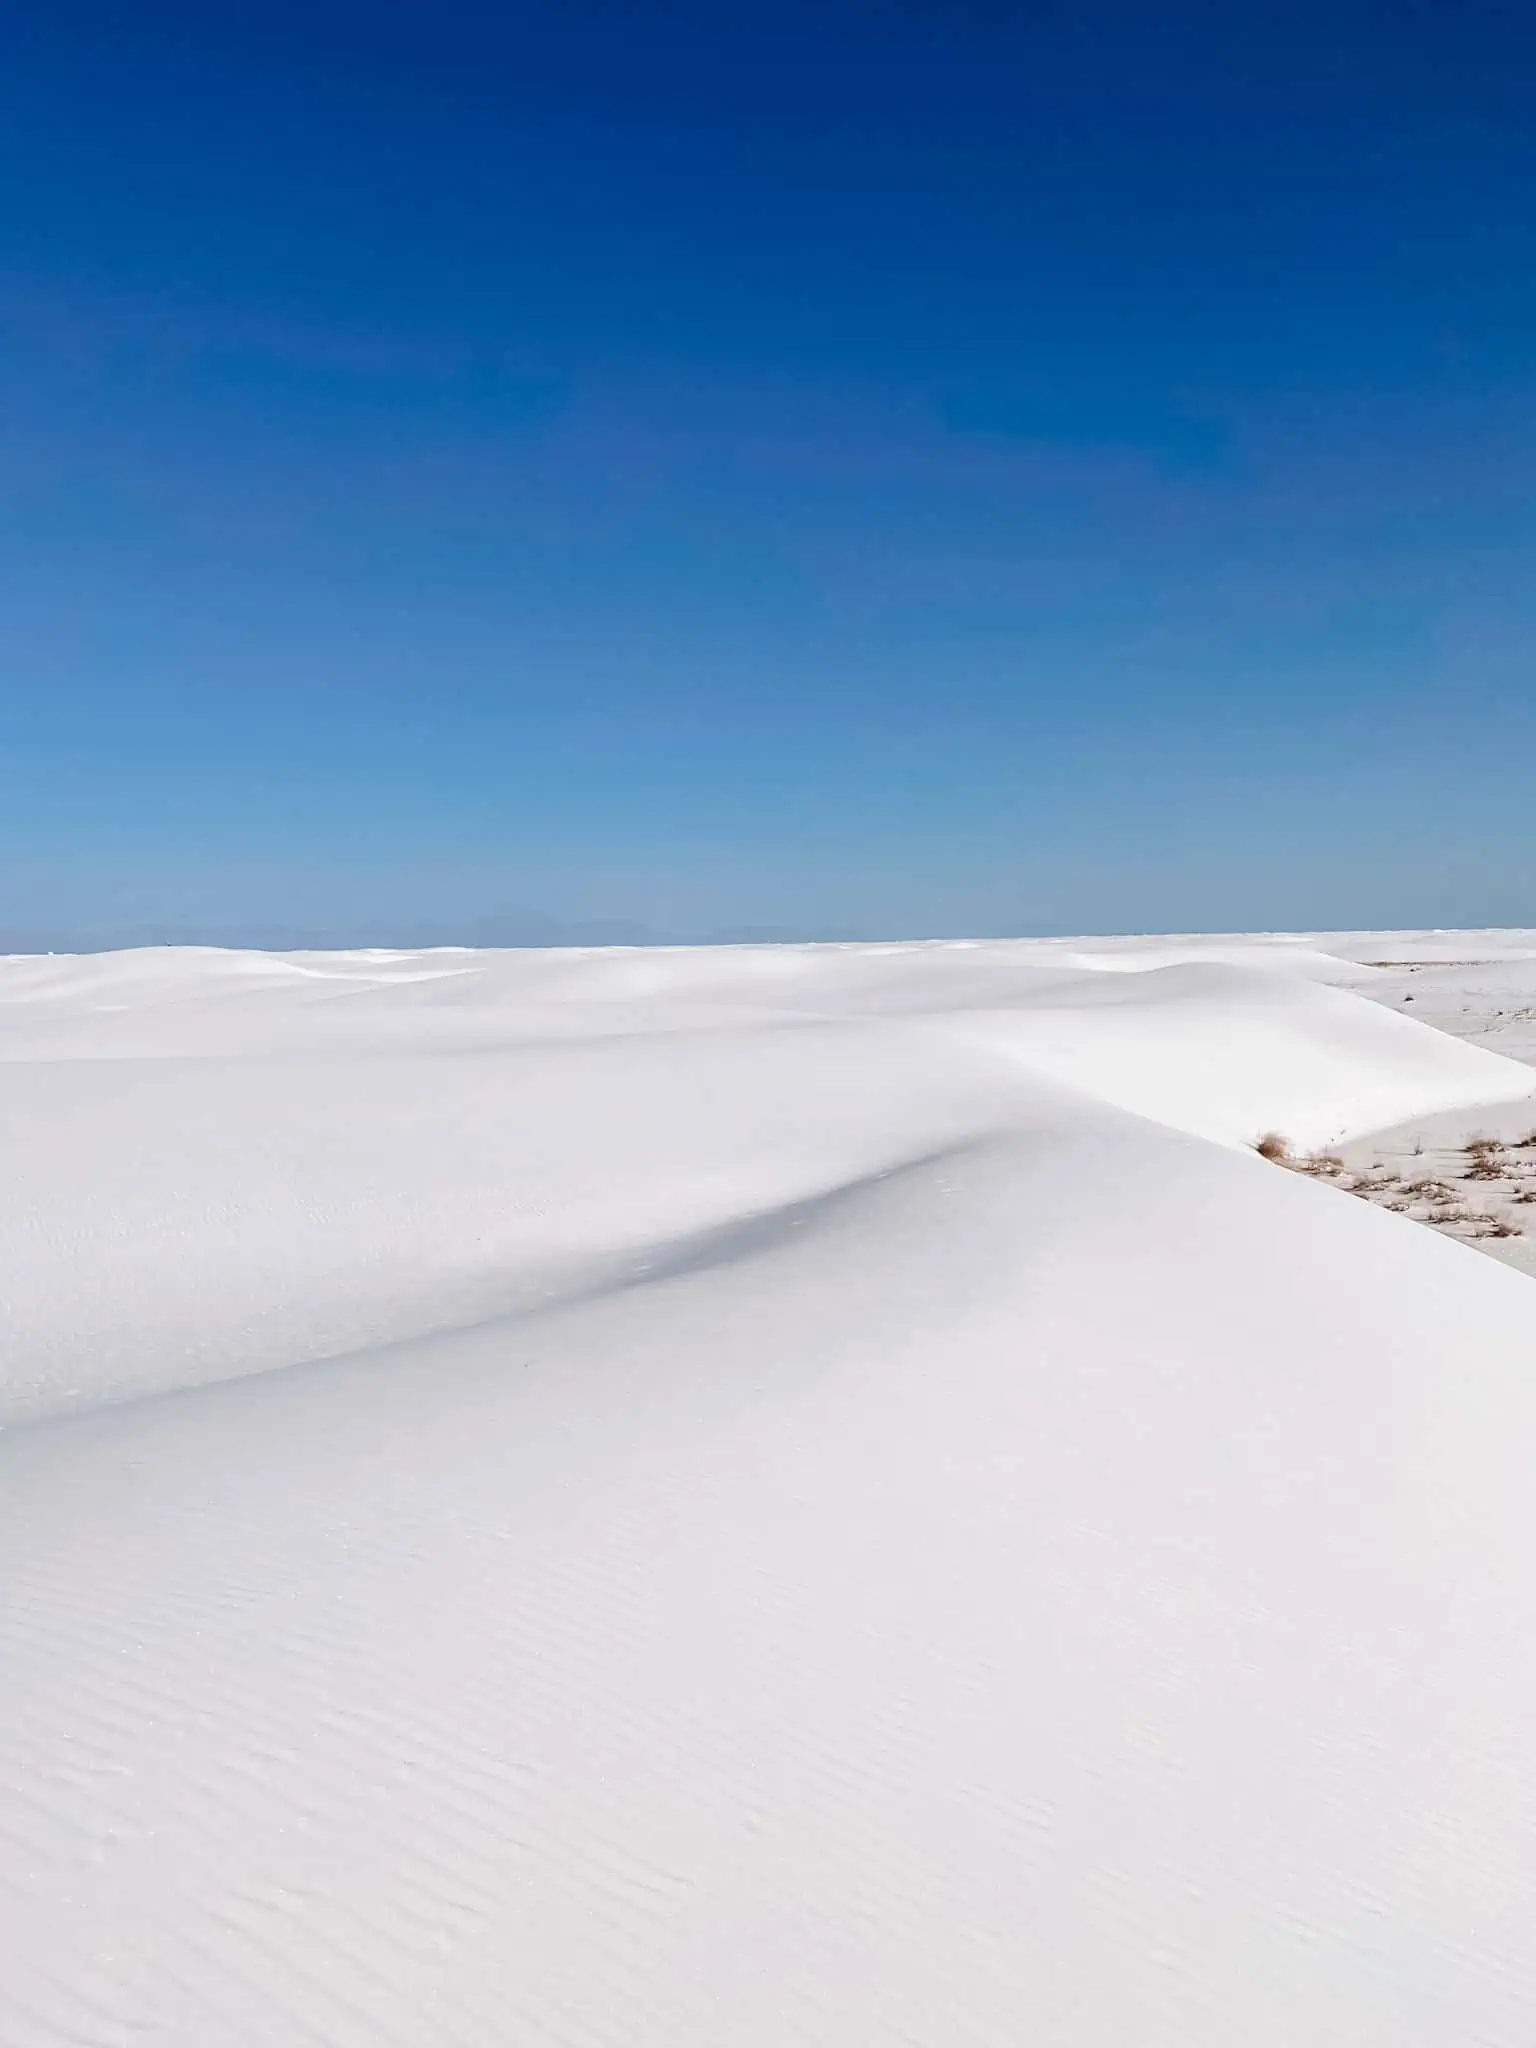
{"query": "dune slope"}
(797, 1496)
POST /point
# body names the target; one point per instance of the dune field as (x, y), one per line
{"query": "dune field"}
(737, 1497)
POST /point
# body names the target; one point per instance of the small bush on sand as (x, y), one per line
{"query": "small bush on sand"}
(1487, 1159)
(1485, 1166)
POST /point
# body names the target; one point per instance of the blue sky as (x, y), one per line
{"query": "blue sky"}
(875, 468)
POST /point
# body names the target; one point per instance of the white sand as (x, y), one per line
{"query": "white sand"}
(854, 1510)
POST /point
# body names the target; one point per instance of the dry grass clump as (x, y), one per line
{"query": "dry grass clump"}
(1499, 1226)
(1277, 1150)
(1487, 1157)
(1427, 1199)
(1324, 1165)
(1433, 1201)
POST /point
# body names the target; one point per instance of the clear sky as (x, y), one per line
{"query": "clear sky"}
(874, 467)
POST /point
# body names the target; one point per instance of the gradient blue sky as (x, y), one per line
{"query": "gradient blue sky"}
(879, 467)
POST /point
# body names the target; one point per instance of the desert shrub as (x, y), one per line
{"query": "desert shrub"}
(1485, 1166)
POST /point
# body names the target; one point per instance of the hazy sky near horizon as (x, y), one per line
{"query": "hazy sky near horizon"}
(878, 467)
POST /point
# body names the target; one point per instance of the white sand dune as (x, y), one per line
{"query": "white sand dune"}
(763, 1496)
